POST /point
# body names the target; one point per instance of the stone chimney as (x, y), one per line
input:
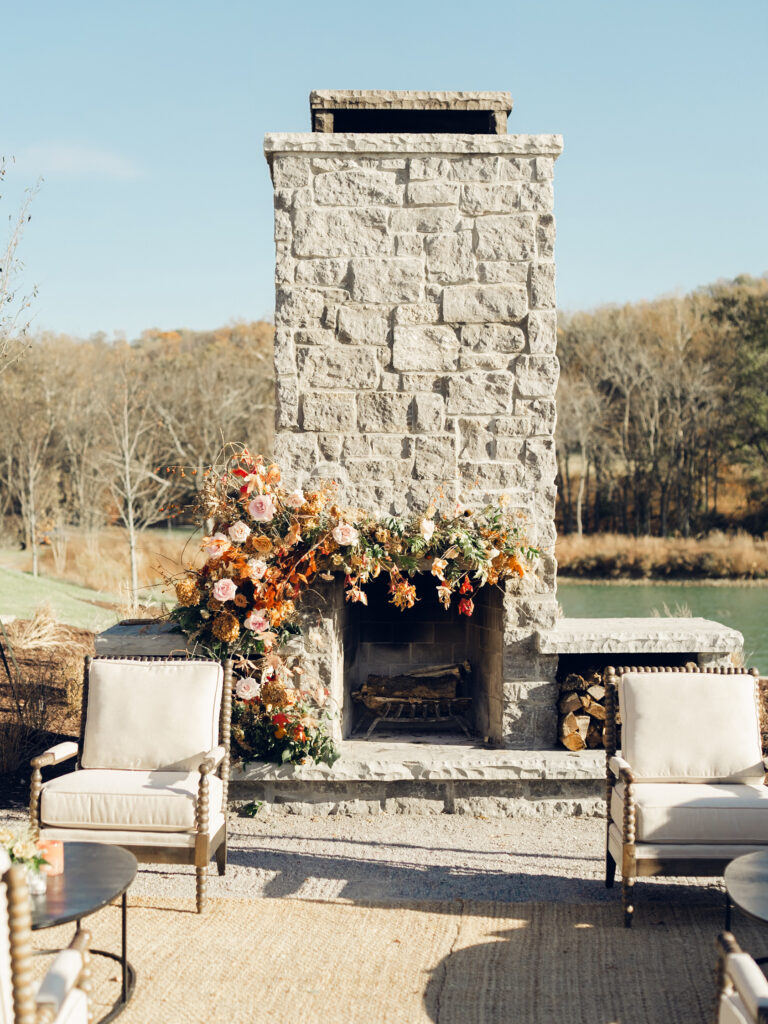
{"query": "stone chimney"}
(416, 331)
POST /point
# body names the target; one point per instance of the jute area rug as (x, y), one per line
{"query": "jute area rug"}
(298, 960)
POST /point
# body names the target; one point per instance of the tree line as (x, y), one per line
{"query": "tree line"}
(663, 413)
(93, 431)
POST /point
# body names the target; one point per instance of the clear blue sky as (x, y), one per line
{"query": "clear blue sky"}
(146, 121)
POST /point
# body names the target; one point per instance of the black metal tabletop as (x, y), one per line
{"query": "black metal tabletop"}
(746, 879)
(94, 874)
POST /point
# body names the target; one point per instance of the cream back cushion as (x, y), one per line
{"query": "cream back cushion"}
(151, 715)
(690, 727)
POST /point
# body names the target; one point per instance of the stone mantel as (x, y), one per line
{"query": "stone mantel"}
(640, 636)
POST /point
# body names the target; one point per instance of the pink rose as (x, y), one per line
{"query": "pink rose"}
(256, 568)
(345, 534)
(238, 532)
(262, 508)
(247, 689)
(215, 546)
(257, 621)
(224, 590)
(295, 499)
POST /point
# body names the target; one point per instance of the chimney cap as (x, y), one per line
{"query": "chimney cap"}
(382, 110)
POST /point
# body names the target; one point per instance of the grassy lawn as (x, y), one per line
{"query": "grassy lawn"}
(21, 593)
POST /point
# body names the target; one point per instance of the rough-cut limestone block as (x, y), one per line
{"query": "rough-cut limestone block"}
(496, 198)
(433, 193)
(502, 272)
(428, 413)
(285, 352)
(324, 272)
(544, 168)
(366, 326)
(315, 336)
(409, 245)
(356, 446)
(424, 348)
(417, 313)
(476, 441)
(296, 452)
(383, 412)
(283, 226)
(290, 172)
(536, 376)
(545, 236)
(330, 446)
(511, 448)
(505, 237)
(541, 412)
(391, 446)
(543, 286)
(497, 303)
(358, 188)
(515, 169)
(425, 168)
(339, 367)
(425, 219)
(542, 332)
(538, 197)
(298, 307)
(493, 476)
(539, 460)
(386, 280)
(286, 402)
(329, 413)
(435, 458)
(450, 257)
(493, 338)
(485, 361)
(511, 427)
(366, 470)
(342, 231)
(474, 168)
(479, 393)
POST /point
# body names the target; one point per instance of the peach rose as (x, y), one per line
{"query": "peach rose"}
(239, 532)
(262, 508)
(295, 499)
(224, 590)
(257, 621)
(215, 546)
(344, 534)
(256, 568)
(247, 689)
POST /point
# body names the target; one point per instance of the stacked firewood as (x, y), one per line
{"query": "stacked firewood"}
(582, 711)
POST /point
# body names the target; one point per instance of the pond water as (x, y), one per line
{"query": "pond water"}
(743, 607)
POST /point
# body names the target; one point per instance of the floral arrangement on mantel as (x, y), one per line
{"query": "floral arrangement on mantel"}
(267, 546)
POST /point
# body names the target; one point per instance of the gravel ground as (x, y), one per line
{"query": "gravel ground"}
(407, 857)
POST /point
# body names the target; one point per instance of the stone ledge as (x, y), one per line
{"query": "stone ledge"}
(403, 145)
(640, 636)
(410, 99)
(393, 761)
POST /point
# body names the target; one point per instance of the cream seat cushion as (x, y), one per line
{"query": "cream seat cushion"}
(731, 1011)
(161, 715)
(143, 800)
(743, 1005)
(690, 726)
(680, 812)
(74, 1009)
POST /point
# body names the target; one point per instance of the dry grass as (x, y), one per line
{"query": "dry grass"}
(612, 556)
(43, 694)
(98, 559)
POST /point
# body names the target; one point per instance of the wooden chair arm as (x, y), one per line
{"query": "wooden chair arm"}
(56, 755)
(213, 758)
(621, 769)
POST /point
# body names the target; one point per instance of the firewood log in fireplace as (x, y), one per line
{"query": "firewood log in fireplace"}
(432, 694)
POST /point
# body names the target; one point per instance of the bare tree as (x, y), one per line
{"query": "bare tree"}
(13, 306)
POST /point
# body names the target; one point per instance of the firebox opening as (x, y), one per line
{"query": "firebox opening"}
(425, 669)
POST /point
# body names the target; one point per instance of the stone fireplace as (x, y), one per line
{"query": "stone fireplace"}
(414, 353)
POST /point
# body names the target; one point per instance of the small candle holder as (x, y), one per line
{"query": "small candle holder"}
(53, 851)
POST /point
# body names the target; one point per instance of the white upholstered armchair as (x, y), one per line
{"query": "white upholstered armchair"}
(742, 989)
(152, 765)
(62, 996)
(685, 794)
